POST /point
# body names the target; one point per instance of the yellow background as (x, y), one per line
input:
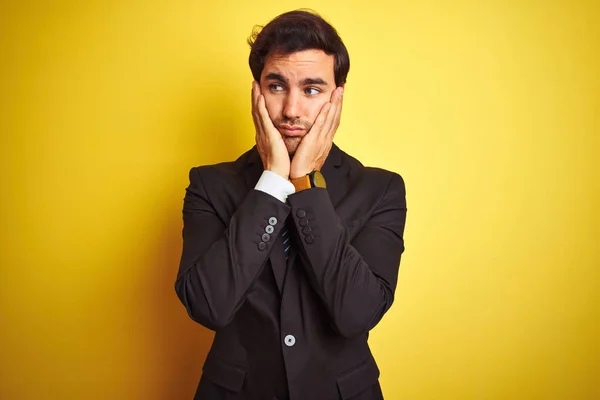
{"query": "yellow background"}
(489, 110)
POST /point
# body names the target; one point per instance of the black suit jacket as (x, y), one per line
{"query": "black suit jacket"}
(297, 328)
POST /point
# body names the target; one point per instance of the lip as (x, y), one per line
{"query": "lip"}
(292, 131)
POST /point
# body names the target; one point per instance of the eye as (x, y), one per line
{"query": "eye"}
(312, 91)
(275, 87)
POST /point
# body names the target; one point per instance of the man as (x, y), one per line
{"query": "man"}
(291, 253)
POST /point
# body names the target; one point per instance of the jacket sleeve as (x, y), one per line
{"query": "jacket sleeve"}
(355, 280)
(222, 259)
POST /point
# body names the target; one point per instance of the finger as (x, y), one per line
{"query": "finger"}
(317, 127)
(336, 95)
(265, 119)
(341, 95)
(338, 110)
(255, 94)
(255, 118)
(338, 115)
(259, 113)
(329, 125)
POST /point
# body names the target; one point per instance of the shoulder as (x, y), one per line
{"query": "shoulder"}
(213, 172)
(392, 181)
(375, 176)
(387, 187)
(223, 172)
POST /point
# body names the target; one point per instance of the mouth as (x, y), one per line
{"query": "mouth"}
(291, 131)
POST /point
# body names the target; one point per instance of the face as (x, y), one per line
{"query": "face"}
(295, 87)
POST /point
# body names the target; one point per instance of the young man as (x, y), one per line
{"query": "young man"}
(291, 253)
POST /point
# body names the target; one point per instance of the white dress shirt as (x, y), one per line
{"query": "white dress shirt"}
(275, 185)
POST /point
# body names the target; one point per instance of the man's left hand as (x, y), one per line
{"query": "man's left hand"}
(314, 147)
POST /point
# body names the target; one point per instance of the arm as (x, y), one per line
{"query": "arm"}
(220, 263)
(357, 280)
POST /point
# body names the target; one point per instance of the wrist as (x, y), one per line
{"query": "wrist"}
(313, 179)
(300, 172)
(279, 171)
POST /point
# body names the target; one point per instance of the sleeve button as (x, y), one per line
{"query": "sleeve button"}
(306, 230)
(269, 229)
(303, 222)
(265, 237)
(309, 239)
(272, 221)
(301, 213)
(262, 246)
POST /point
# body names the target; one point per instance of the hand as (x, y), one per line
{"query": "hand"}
(314, 147)
(270, 144)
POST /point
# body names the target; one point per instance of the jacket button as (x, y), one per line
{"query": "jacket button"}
(306, 230)
(301, 213)
(272, 221)
(269, 229)
(303, 222)
(265, 237)
(262, 246)
(309, 239)
(289, 340)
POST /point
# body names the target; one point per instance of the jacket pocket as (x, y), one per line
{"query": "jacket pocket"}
(353, 382)
(224, 374)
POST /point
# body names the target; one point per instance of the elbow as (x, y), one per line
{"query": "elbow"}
(349, 329)
(196, 305)
(358, 320)
(350, 324)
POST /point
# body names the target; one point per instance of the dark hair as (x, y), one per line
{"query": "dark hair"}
(296, 31)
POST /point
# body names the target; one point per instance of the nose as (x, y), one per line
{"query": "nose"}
(291, 108)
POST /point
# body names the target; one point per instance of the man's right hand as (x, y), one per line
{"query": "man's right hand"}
(269, 142)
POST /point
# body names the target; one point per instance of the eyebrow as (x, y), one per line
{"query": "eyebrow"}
(308, 81)
(313, 81)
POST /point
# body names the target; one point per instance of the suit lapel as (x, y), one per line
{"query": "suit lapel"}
(250, 166)
(336, 173)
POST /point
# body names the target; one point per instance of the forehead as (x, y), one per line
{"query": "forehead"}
(301, 64)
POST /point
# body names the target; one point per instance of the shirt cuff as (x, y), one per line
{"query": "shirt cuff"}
(275, 185)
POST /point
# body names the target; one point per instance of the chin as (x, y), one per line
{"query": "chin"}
(291, 151)
(291, 145)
